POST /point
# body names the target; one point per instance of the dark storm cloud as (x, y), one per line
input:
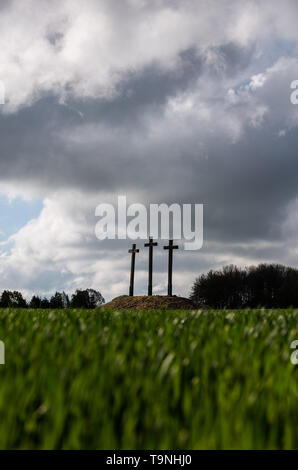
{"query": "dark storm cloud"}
(4, 4)
(30, 148)
(245, 186)
(29, 145)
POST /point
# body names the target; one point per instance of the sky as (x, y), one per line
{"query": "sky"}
(161, 101)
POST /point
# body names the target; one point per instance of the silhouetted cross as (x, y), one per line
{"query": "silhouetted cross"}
(151, 244)
(133, 252)
(170, 247)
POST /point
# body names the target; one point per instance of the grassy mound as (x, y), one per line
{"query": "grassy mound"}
(155, 302)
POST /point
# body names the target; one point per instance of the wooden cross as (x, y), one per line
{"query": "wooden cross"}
(170, 247)
(151, 244)
(133, 252)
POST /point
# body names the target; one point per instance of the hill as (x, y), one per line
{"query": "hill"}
(154, 302)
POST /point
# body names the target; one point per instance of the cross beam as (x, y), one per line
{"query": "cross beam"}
(133, 252)
(170, 247)
(150, 245)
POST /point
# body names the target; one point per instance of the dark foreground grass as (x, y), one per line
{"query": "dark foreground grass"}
(148, 380)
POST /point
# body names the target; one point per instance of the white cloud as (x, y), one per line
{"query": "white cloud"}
(85, 50)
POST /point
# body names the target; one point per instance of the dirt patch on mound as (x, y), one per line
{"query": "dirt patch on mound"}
(154, 302)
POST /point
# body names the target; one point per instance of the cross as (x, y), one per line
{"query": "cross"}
(133, 252)
(170, 247)
(151, 244)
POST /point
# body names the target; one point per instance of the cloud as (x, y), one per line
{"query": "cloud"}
(77, 51)
(162, 101)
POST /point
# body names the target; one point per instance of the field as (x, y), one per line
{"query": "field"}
(148, 380)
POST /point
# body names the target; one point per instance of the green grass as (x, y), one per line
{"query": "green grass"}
(148, 380)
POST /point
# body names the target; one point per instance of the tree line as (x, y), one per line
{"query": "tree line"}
(266, 285)
(88, 299)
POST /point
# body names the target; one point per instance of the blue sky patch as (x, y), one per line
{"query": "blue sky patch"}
(15, 214)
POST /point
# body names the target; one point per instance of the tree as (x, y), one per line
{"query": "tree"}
(266, 285)
(95, 298)
(65, 300)
(13, 299)
(35, 302)
(264, 282)
(59, 300)
(220, 289)
(88, 299)
(45, 303)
